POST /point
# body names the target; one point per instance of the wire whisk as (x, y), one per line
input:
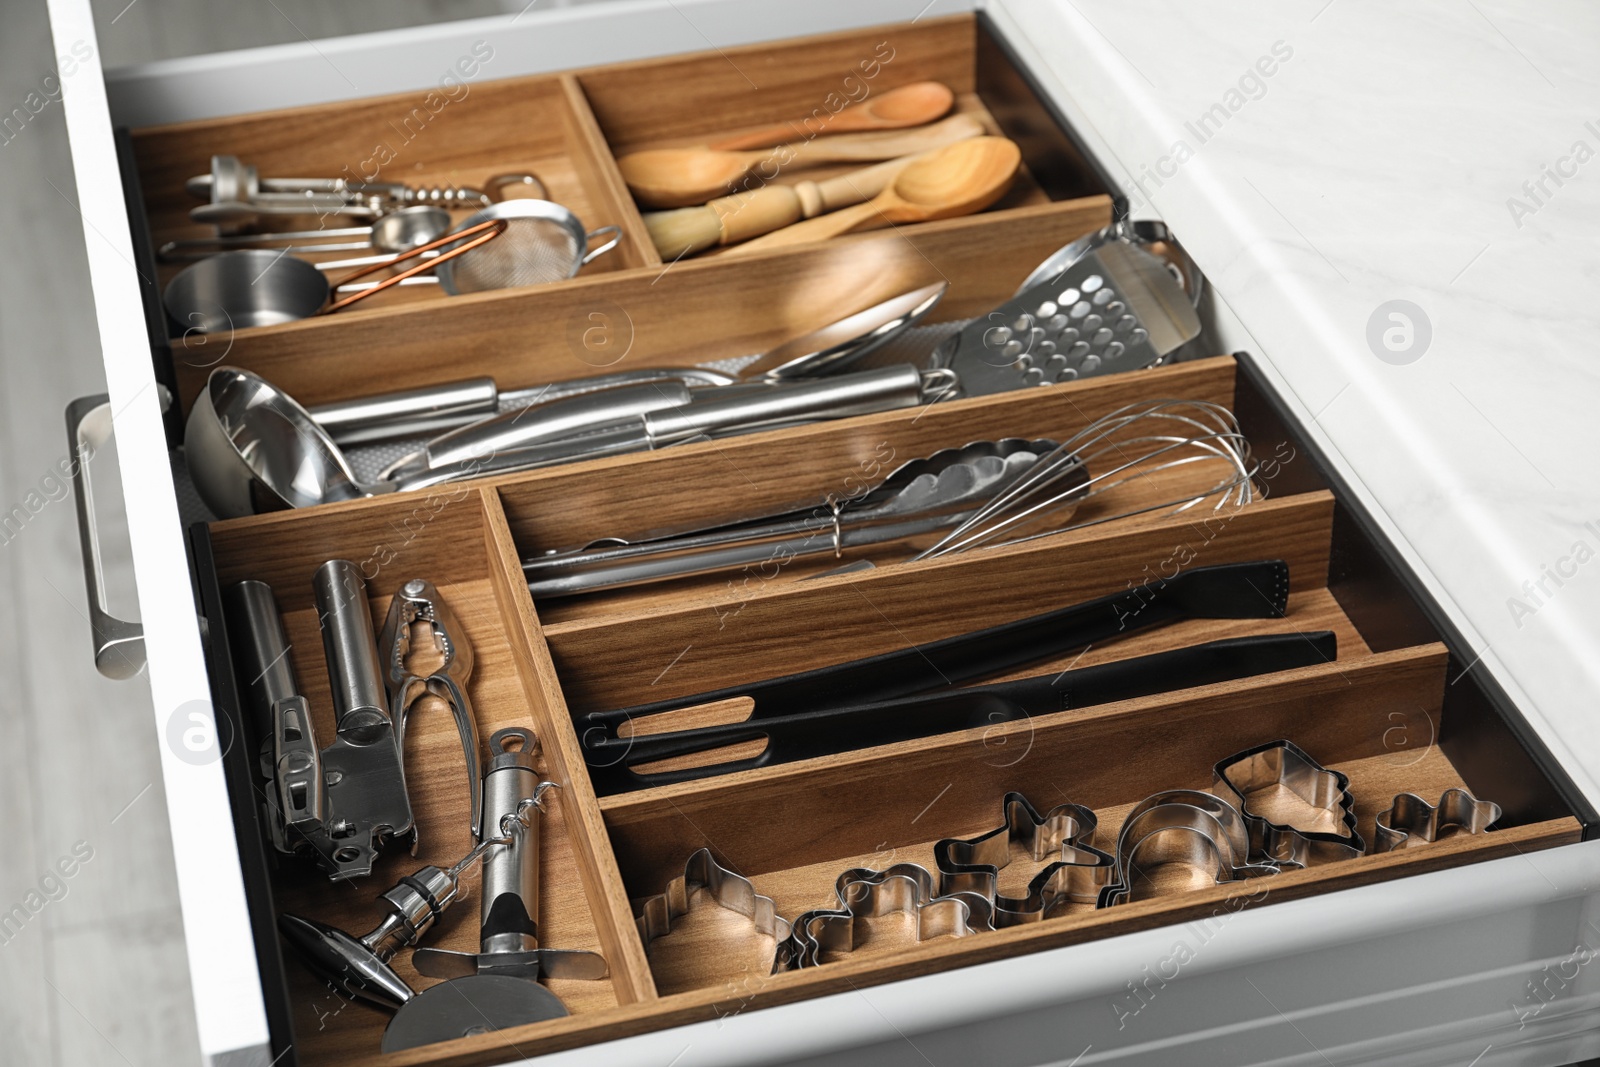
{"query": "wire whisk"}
(1133, 443)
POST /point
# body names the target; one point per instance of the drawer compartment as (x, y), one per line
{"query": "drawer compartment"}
(1381, 712)
(568, 129)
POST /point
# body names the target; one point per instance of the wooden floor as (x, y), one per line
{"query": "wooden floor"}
(98, 975)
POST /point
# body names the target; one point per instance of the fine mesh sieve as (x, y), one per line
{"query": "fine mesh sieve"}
(543, 242)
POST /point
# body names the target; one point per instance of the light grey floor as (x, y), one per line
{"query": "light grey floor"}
(97, 975)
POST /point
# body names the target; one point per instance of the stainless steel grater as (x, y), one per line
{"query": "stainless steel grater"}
(1116, 308)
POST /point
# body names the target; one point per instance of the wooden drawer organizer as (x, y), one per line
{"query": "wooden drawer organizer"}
(1383, 713)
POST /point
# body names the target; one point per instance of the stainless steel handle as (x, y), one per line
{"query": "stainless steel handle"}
(860, 393)
(613, 232)
(118, 644)
(413, 411)
(359, 704)
(513, 430)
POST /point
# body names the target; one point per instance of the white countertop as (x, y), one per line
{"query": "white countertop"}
(1377, 162)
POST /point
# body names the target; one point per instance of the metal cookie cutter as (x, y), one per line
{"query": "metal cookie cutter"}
(1181, 826)
(1283, 763)
(419, 600)
(972, 865)
(1412, 821)
(905, 888)
(730, 890)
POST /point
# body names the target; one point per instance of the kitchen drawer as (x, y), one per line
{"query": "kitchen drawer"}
(1397, 710)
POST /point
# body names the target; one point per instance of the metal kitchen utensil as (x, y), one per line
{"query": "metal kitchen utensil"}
(1130, 444)
(239, 289)
(251, 448)
(1411, 821)
(453, 405)
(290, 764)
(435, 409)
(973, 864)
(1076, 874)
(1181, 826)
(364, 768)
(1150, 235)
(666, 414)
(492, 987)
(920, 496)
(544, 242)
(726, 888)
(1285, 764)
(359, 966)
(817, 353)
(830, 729)
(341, 803)
(1115, 308)
(232, 179)
(237, 194)
(905, 888)
(479, 995)
(418, 601)
(398, 231)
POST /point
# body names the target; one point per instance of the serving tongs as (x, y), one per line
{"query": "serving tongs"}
(919, 497)
(1256, 590)
(829, 730)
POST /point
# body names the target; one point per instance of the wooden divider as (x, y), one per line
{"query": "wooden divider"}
(685, 314)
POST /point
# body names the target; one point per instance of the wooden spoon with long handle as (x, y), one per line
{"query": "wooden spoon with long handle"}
(909, 105)
(682, 177)
(960, 179)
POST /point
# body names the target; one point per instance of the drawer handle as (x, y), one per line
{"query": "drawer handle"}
(118, 643)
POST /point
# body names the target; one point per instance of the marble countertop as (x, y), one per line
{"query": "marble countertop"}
(1331, 163)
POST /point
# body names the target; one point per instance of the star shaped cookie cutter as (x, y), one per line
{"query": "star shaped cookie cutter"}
(1283, 763)
(905, 888)
(1181, 826)
(728, 889)
(1412, 821)
(1079, 873)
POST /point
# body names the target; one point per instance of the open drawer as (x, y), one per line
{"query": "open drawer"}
(1394, 710)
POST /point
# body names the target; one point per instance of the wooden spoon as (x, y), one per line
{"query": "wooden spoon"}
(682, 177)
(909, 105)
(957, 180)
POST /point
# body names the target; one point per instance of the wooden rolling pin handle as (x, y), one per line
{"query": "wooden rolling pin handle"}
(746, 215)
(772, 207)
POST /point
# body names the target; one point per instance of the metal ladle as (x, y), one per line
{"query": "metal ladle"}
(252, 448)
